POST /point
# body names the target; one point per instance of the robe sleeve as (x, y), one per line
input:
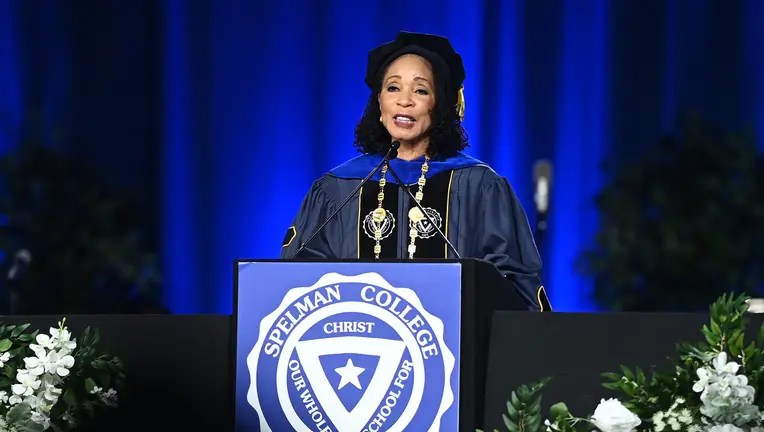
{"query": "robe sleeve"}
(317, 205)
(506, 241)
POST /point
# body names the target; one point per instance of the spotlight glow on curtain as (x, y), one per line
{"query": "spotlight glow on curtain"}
(581, 142)
(262, 98)
(11, 108)
(258, 99)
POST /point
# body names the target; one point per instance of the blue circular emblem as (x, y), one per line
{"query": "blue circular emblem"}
(350, 353)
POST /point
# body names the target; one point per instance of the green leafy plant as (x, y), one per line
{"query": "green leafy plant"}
(524, 410)
(714, 385)
(680, 225)
(54, 381)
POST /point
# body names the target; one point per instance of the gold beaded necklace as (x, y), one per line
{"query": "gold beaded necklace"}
(380, 215)
(416, 215)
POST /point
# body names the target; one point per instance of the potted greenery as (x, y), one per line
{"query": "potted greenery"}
(714, 386)
(680, 225)
(85, 240)
(55, 380)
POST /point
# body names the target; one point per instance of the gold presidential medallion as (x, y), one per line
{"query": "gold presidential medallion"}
(378, 215)
(420, 225)
(378, 223)
(415, 215)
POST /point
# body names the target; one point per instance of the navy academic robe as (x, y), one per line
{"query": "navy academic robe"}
(474, 207)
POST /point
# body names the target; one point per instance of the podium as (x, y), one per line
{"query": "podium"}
(359, 345)
(180, 368)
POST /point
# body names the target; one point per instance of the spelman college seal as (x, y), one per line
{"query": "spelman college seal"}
(350, 354)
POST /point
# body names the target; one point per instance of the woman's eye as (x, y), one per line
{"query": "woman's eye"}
(392, 88)
(423, 91)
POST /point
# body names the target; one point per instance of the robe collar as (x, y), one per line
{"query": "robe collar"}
(409, 171)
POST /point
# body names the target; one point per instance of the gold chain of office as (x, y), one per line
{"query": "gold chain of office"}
(382, 218)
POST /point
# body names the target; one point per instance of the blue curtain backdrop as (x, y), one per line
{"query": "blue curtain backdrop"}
(225, 112)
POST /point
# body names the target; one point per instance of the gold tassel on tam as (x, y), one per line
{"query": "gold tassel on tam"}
(460, 103)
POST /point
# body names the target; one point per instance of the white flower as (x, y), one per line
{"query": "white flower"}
(3, 396)
(4, 357)
(611, 416)
(59, 363)
(52, 393)
(62, 338)
(51, 362)
(43, 341)
(36, 365)
(685, 416)
(725, 428)
(27, 383)
(550, 427)
(721, 365)
(727, 398)
(673, 423)
(95, 390)
(658, 421)
(704, 376)
(58, 340)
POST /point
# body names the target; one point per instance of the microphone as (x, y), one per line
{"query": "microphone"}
(542, 180)
(429, 219)
(392, 152)
(21, 261)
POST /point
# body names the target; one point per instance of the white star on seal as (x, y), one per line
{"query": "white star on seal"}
(349, 374)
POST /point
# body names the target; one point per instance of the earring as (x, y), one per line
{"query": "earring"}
(380, 119)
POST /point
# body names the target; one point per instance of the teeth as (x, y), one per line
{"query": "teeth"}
(404, 119)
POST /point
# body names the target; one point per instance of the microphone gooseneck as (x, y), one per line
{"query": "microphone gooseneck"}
(392, 152)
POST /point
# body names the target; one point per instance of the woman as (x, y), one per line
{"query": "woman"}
(416, 101)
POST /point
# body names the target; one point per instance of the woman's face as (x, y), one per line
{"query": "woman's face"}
(406, 99)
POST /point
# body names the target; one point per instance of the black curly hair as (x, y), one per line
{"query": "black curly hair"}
(447, 136)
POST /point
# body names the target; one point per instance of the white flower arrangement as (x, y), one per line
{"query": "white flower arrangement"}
(50, 380)
(727, 398)
(705, 392)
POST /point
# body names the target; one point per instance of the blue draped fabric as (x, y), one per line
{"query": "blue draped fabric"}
(753, 38)
(225, 112)
(582, 122)
(11, 105)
